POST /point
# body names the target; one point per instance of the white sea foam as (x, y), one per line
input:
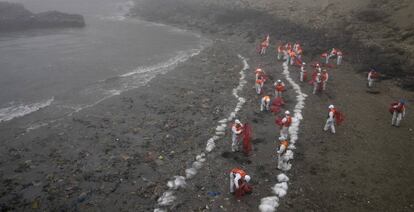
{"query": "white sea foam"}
(114, 92)
(19, 110)
(36, 126)
(139, 76)
(113, 18)
(180, 57)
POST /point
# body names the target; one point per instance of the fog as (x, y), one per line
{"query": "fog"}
(83, 7)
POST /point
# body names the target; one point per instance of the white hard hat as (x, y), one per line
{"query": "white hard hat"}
(331, 106)
(247, 178)
(279, 80)
(259, 69)
(303, 63)
(281, 138)
(287, 112)
(237, 121)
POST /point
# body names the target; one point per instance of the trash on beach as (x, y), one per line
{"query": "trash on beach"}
(213, 193)
(82, 197)
(125, 156)
(150, 156)
(35, 204)
(178, 182)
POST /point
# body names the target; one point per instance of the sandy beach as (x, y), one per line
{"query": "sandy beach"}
(120, 154)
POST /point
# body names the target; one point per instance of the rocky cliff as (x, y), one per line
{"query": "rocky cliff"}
(15, 17)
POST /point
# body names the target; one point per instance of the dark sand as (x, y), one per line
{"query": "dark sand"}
(106, 158)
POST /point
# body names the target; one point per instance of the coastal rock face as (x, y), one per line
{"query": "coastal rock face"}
(14, 16)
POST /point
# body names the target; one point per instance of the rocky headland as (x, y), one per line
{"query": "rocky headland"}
(14, 16)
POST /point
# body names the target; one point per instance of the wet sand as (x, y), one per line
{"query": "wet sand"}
(119, 154)
(108, 157)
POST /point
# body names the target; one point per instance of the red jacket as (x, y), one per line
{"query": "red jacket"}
(288, 122)
(280, 87)
(238, 171)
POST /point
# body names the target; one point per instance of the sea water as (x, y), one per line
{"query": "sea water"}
(63, 71)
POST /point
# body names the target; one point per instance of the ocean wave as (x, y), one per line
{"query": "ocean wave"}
(114, 18)
(106, 88)
(134, 79)
(14, 111)
(179, 58)
(114, 92)
(36, 126)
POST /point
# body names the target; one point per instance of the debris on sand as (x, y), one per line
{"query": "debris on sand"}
(269, 204)
(178, 182)
(167, 198)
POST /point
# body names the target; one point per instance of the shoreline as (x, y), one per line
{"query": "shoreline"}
(30, 115)
(108, 157)
(114, 148)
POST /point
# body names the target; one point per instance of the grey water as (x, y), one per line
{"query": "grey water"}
(63, 71)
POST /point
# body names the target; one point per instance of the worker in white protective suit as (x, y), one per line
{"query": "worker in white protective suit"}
(330, 122)
(283, 146)
(237, 177)
(279, 88)
(265, 103)
(324, 78)
(303, 72)
(398, 113)
(286, 122)
(237, 130)
(317, 83)
(372, 76)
